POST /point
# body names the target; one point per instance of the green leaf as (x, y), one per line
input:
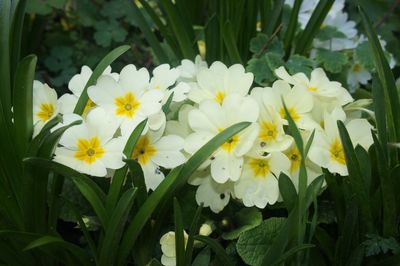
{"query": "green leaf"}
(253, 244)
(137, 175)
(313, 26)
(217, 248)
(332, 61)
(258, 43)
(116, 227)
(288, 191)
(375, 245)
(103, 64)
(194, 228)
(44, 7)
(5, 75)
(203, 258)
(263, 67)
(109, 31)
(363, 55)
(179, 237)
(291, 252)
(245, 219)
(329, 32)
(23, 94)
(292, 26)
(230, 43)
(298, 63)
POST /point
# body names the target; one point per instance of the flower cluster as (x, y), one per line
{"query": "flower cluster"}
(205, 101)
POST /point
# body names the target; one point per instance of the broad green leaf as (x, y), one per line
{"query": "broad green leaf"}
(260, 68)
(245, 219)
(253, 243)
(332, 61)
(23, 94)
(103, 64)
(217, 248)
(179, 237)
(298, 63)
(258, 43)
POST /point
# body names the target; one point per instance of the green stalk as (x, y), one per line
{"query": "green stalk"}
(291, 29)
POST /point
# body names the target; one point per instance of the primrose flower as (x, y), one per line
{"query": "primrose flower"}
(167, 243)
(127, 100)
(44, 105)
(358, 75)
(212, 118)
(218, 81)
(188, 70)
(258, 185)
(153, 151)
(76, 85)
(90, 147)
(327, 150)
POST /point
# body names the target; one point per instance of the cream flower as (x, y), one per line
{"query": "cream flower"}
(127, 100)
(318, 85)
(357, 75)
(76, 85)
(188, 70)
(218, 81)
(327, 150)
(153, 151)
(44, 105)
(258, 185)
(212, 118)
(90, 147)
(168, 249)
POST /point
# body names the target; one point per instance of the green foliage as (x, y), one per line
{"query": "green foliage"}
(245, 220)
(253, 243)
(44, 7)
(331, 60)
(375, 245)
(328, 33)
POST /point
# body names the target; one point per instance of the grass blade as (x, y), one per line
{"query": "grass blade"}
(194, 228)
(218, 249)
(103, 64)
(230, 43)
(179, 237)
(138, 180)
(291, 29)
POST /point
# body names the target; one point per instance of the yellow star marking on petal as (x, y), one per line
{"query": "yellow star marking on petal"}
(126, 105)
(268, 131)
(260, 167)
(230, 144)
(46, 111)
(356, 68)
(219, 97)
(336, 151)
(292, 111)
(295, 159)
(89, 150)
(89, 105)
(143, 151)
(312, 88)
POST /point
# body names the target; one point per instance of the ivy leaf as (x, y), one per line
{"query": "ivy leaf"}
(44, 7)
(253, 244)
(332, 61)
(88, 13)
(60, 58)
(329, 32)
(245, 220)
(259, 44)
(363, 54)
(299, 63)
(263, 67)
(376, 245)
(108, 31)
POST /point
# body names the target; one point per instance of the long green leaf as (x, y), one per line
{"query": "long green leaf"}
(217, 248)
(194, 228)
(103, 64)
(23, 94)
(16, 35)
(137, 174)
(5, 74)
(291, 29)
(288, 191)
(313, 26)
(116, 228)
(230, 43)
(179, 237)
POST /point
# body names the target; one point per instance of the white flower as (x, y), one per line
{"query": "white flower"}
(271, 136)
(168, 249)
(44, 105)
(327, 150)
(127, 100)
(357, 75)
(318, 85)
(90, 147)
(67, 119)
(76, 85)
(258, 185)
(218, 81)
(212, 118)
(153, 151)
(188, 70)
(181, 126)
(210, 193)
(298, 101)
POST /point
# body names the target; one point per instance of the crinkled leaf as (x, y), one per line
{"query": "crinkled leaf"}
(329, 32)
(253, 244)
(363, 55)
(332, 61)
(299, 63)
(376, 245)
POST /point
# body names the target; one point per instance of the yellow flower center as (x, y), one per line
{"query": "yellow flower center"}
(126, 105)
(230, 144)
(336, 151)
(89, 150)
(260, 167)
(312, 88)
(219, 97)
(46, 111)
(292, 111)
(268, 131)
(295, 159)
(143, 151)
(356, 68)
(89, 105)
